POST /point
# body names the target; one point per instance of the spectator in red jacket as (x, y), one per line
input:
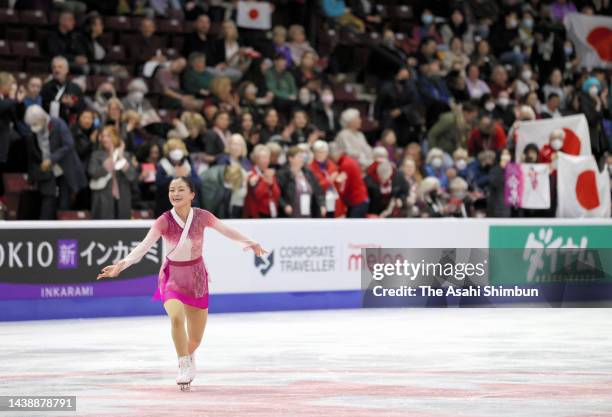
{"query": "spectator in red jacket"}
(326, 172)
(352, 189)
(489, 135)
(263, 192)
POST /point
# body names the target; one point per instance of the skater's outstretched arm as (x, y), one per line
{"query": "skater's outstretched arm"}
(138, 252)
(235, 235)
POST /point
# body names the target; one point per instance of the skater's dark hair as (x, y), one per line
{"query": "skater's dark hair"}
(187, 181)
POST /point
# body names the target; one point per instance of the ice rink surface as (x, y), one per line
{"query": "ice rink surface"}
(358, 363)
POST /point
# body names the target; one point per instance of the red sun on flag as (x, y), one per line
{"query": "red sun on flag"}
(600, 38)
(254, 14)
(571, 143)
(587, 193)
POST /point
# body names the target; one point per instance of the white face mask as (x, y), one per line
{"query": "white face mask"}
(304, 98)
(505, 158)
(489, 106)
(436, 162)
(503, 101)
(461, 164)
(526, 75)
(176, 154)
(556, 144)
(327, 99)
(36, 128)
(137, 96)
(593, 91)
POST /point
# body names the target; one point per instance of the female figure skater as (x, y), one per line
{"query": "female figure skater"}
(183, 278)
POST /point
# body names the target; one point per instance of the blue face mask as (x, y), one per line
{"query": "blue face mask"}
(483, 31)
(427, 19)
(568, 51)
(528, 23)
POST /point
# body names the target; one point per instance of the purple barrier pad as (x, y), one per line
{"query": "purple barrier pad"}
(104, 288)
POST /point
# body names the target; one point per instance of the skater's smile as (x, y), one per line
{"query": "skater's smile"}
(180, 194)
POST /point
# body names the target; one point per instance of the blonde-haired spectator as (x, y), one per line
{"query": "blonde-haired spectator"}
(236, 153)
(263, 192)
(196, 126)
(221, 88)
(112, 172)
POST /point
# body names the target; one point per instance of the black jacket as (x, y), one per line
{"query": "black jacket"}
(378, 202)
(286, 182)
(10, 112)
(61, 145)
(68, 113)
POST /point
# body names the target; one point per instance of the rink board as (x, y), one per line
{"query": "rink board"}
(312, 264)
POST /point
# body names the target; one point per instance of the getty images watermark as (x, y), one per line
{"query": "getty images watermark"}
(484, 277)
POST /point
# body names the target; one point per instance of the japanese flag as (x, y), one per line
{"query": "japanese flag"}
(583, 191)
(527, 186)
(592, 37)
(577, 138)
(254, 15)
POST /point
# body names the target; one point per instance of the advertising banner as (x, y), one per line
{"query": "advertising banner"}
(51, 263)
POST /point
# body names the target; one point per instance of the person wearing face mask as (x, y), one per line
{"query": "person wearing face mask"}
(175, 163)
(505, 40)
(594, 105)
(105, 92)
(525, 82)
(53, 164)
(135, 100)
(434, 166)
(112, 174)
(548, 153)
(488, 135)
(526, 29)
(396, 107)
(460, 162)
(427, 29)
(324, 116)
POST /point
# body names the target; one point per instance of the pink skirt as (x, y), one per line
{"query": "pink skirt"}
(186, 281)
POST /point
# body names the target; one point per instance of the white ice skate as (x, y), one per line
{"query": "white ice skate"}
(183, 378)
(192, 368)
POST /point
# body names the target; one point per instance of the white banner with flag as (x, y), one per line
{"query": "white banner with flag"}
(577, 140)
(592, 38)
(254, 15)
(527, 186)
(583, 191)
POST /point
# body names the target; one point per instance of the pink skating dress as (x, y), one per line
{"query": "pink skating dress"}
(183, 274)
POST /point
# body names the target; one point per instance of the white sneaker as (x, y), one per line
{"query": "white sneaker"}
(183, 377)
(192, 368)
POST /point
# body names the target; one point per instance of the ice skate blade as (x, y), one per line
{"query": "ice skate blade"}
(185, 386)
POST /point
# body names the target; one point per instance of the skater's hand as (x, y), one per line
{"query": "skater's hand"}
(110, 271)
(256, 247)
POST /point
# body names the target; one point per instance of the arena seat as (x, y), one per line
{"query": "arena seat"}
(118, 23)
(16, 34)
(8, 16)
(73, 215)
(25, 49)
(33, 18)
(142, 214)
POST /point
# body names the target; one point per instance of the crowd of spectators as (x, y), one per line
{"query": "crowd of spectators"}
(257, 119)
